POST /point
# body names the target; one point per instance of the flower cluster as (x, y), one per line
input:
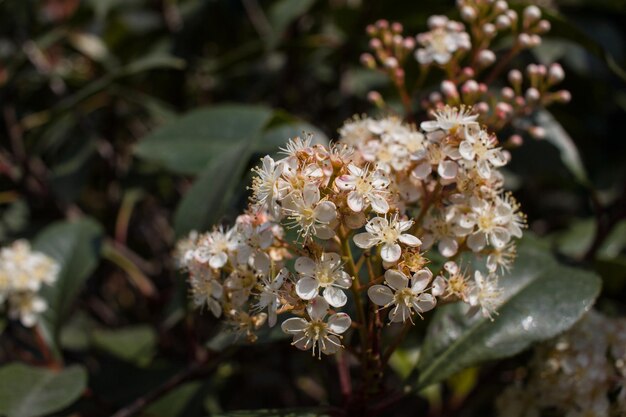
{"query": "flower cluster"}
(580, 373)
(22, 274)
(323, 221)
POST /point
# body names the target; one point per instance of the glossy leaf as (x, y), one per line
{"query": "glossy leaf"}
(26, 391)
(206, 200)
(556, 135)
(190, 142)
(540, 300)
(135, 344)
(76, 247)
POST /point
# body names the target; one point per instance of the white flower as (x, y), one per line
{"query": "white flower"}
(404, 297)
(366, 187)
(442, 228)
(207, 291)
(479, 146)
(450, 118)
(445, 38)
(437, 155)
(379, 230)
(269, 297)
(265, 186)
(326, 273)
(317, 334)
(494, 223)
(215, 247)
(26, 306)
(296, 145)
(310, 215)
(484, 295)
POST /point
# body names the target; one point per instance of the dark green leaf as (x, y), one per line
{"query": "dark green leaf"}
(288, 412)
(26, 391)
(205, 202)
(173, 404)
(556, 135)
(135, 344)
(188, 143)
(540, 300)
(282, 14)
(76, 247)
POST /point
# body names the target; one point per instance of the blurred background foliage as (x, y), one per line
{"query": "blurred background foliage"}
(126, 123)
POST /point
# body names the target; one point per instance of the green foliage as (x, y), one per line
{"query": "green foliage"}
(76, 247)
(295, 412)
(26, 391)
(540, 300)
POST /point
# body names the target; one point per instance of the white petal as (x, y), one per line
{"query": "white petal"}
(325, 211)
(311, 195)
(330, 345)
(420, 280)
(380, 295)
(425, 302)
(365, 240)
(335, 296)
(423, 170)
(379, 203)
(345, 182)
(305, 265)
(218, 260)
(477, 241)
(483, 168)
(377, 224)
(396, 279)
(409, 240)
(339, 323)
(467, 150)
(294, 325)
(400, 313)
(355, 202)
(390, 252)
(439, 286)
(447, 169)
(324, 232)
(429, 125)
(331, 258)
(307, 288)
(499, 237)
(317, 308)
(448, 247)
(303, 343)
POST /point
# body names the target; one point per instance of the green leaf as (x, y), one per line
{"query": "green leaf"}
(76, 247)
(206, 200)
(188, 143)
(540, 300)
(556, 135)
(174, 403)
(276, 137)
(134, 344)
(26, 391)
(282, 14)
(287, 412)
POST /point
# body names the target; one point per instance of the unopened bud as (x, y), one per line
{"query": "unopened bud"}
(482, 107)
(515, 77)
(489, 29)
(508, 93)
(486, 57)
(503, 110)
(563, 96)
(375, 98)
(368, 61)
(523, 39)
(531, 15)
(469, 87)
(396, 27)
(512, 15)
(375, 44)
(503, 22)
(535, 40)
(500, 6)
(543, 27)
(437, 21)
(482, 88)
(537, 132)
(449, 89)
(371, 30)
(468, 13)
(435, 97)
(468, 72)
(515, 141)
(382, 24)
(408, 44)
(532, 95)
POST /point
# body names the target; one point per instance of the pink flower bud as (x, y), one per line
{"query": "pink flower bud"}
(468, 13)
(503, 110)
(512, 14)
(535, 40)
(382, 24)
(486, 57)
(489, 29)
(368, 61)
(408, 44)
(531, 15)
(436, 21)
(449, 89)
(482, 107)
(524, 40)
(543, 27)
(516, 140)
(503, 22)
(469, 87)
(375, 98)
(371, 30)
(515, 77)
(537, 132)
(508, 93)
(375, 44)
(563, 96)
(482, 88)
(468, 72)
(501, 6)
(396, 27)
(532, 95)
(435, 97)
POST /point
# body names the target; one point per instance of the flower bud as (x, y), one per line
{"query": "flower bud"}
(501, 6)
(503, 22)
(435, 97)
(486, 57)
(515, 141)
(382, 24)
(535, 40)
(543, 27)
(408, 44)
(489, 29)
(531, 15)
(503, 110)
(436, 21)
(368, 61)
(532, 95)
(468, 13)
(515, 77)
(523, 39)
(396, 27)
(468, 72)
(508, 93)
(563, 96)
(371, 30)
(512, 15)
(375, 44)
(375, 98)
(449, 89)
(482, 107)
(537, 132)
(469, 87)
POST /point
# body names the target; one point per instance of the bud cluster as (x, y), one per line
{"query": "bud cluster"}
(22, 274)
(326, 223)
(580, 373)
